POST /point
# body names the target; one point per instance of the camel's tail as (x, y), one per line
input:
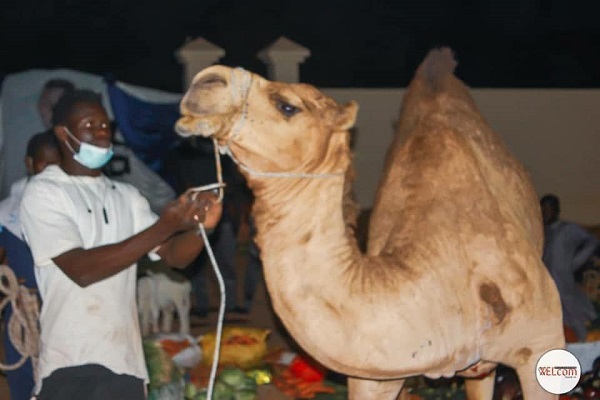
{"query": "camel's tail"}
(435, 68)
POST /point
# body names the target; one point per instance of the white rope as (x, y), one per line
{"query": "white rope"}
(22, 327)
(221, 316)
(244, 90)
(217, 188)
(219, 334)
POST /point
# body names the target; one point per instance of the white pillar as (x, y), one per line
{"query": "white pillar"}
(283, 58)
(195, 55)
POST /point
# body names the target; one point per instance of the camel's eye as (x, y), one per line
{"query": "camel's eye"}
(286, 109)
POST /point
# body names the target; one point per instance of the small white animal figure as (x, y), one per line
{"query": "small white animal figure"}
(158, 294)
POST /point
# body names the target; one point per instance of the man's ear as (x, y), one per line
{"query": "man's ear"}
(60, 132)
(29, 165)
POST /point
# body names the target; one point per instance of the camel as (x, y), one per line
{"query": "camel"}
(452, 280)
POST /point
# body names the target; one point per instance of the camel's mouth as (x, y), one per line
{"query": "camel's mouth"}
(194, 125)
(188, 126)
(210, 106)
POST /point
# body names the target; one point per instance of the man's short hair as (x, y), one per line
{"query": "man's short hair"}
(552, 200)
(67, 102)
(39, 141)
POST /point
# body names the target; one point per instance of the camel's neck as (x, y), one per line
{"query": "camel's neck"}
(300, 224)
(306, 250)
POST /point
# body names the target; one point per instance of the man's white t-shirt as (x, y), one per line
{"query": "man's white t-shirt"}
(97, 324)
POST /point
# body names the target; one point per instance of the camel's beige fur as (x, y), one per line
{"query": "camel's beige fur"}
(452, 281)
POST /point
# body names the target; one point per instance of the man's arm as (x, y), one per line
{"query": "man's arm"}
(88, 266)
(181, 249)
(175, 230)
(586, 244)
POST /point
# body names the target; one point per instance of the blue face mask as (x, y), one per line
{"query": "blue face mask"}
(90, 156)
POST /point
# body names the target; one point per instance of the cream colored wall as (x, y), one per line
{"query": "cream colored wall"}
(553, 132)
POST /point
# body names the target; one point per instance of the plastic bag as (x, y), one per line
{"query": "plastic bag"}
(240, 346)
(189, 354)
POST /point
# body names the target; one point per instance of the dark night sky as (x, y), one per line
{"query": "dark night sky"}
(360, 43)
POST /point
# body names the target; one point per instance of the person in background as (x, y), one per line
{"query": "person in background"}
(86, 233)
(567, 247)
(52, 91)
(254, 273)
(42, 150)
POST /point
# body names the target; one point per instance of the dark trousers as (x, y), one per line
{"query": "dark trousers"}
(90, 382)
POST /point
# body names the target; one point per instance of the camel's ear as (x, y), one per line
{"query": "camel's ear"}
(346, 116)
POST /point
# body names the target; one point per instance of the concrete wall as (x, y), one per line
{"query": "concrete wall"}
(553, 132)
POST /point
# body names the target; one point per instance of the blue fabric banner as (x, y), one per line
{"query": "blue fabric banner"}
(147, 128)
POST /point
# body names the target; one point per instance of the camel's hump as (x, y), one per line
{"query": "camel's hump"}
(437, 65)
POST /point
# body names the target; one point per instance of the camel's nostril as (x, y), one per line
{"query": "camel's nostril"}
(210, 81)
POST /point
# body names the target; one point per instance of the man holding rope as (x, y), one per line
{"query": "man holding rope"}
(86, 233)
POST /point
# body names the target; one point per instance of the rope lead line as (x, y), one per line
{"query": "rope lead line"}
(219, 334)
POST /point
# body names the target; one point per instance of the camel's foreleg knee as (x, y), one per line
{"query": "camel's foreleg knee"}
(480, 388)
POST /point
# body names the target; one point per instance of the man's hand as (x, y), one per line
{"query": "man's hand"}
(185, 213)
(213, 210)
(190, 209)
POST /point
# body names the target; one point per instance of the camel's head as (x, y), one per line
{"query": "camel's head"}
(269, 126)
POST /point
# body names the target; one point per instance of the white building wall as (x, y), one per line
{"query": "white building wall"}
(553, 132)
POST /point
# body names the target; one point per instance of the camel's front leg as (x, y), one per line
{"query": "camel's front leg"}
(482, 388)
(529, 385)
(525, 361)
(362, 389)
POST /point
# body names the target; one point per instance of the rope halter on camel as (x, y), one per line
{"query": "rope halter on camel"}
(242, 90)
